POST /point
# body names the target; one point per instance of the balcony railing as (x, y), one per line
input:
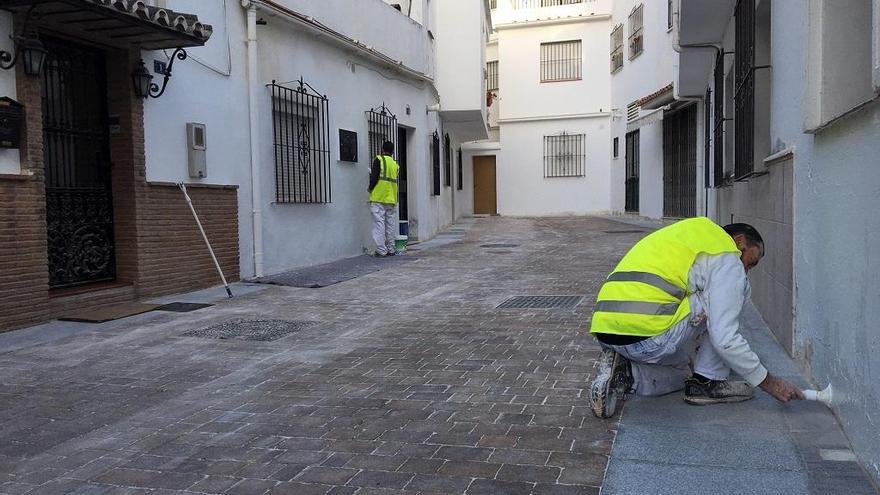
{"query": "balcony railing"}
(534, 4)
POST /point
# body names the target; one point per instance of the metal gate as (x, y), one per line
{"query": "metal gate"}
(632, 172)
(76, 153)
(680, 163)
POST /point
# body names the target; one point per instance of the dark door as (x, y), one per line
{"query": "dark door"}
(402, 209)
(632, 172)
(79, 202)
(680, 163)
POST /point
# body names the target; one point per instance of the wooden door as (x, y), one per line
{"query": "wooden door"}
(485, 196)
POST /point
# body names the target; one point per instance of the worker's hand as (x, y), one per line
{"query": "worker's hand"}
(782, 390)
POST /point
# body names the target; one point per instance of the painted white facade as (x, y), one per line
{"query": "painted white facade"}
(361, 55)
(639, 77)
(525, 110)
(816, 129)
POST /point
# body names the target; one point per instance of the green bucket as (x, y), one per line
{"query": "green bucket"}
(400, 243)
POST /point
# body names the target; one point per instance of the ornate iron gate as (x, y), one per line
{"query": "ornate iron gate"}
(76, 153)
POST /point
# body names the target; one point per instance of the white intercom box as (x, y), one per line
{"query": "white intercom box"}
(196, 147)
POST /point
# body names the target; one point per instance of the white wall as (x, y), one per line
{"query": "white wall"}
(209, 87)
(9, 158)
(460, 28)
(640, 77)
(522, 188)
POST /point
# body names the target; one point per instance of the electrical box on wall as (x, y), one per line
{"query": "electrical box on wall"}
(196, 147)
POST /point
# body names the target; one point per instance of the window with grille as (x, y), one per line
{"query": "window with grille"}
(744, 96)
(561, 61)
(564, 155)
(301, 142)
(718, 122)
(492, 75)
(460, 172)
(493, 4)
(382, 127)
(435, 163)
(636, 34)
(447, 161)
(617, 48)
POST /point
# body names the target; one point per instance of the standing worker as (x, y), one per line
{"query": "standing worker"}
(684, 281)
(383, 199)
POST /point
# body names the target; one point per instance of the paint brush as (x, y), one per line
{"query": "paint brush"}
(823, 396)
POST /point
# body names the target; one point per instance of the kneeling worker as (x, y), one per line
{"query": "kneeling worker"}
(683, 281)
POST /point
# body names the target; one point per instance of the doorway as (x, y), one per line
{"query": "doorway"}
(76, 153)
(403, 209)
(632, 172)
(680, 163)
(485, 193)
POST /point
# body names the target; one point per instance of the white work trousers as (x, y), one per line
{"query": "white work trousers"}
(384, 229)
(661, 364)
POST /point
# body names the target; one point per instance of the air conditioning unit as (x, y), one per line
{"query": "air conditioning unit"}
(196, 148)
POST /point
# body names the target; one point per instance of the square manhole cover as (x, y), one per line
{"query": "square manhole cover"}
(182, 307)
(499, 245)
(541, 302)
(258, 330)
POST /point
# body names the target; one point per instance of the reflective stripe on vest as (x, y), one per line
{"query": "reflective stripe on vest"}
(647, 293)
(385, 190)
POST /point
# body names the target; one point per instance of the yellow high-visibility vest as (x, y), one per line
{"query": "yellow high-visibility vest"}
(647, 293)
(386, 189)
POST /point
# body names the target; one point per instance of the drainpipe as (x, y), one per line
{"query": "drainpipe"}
(253, 85)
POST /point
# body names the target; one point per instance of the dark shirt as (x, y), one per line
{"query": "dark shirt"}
(375, 169)
(611, 339)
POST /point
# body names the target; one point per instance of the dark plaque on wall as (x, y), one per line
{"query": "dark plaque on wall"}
(348, 146)
(11, 119)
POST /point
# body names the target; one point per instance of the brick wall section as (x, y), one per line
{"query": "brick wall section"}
(24, 277)
(173, 257)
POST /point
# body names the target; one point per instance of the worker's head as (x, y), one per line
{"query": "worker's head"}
(388, 148)
(748, 241)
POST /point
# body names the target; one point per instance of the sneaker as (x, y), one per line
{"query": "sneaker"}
(613, 381)
(701, 392)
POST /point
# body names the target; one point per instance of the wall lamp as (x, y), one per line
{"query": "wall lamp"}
(144, 86)
(28, 49)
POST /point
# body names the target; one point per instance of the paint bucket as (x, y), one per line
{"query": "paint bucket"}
(400, 243)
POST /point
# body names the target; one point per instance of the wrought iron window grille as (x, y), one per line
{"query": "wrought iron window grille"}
(744, 95)
(301, 142)
(435, 163)
(561, 61)
(492, 75)
(382, 125)
(636, 33)
(617, 48)
(718, 125)
(564, 155)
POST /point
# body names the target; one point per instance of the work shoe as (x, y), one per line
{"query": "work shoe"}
(613, 381)
(701, 392)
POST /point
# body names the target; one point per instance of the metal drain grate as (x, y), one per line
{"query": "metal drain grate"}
(624, 231)
(541, 302)
(499, 245)
(258, 330)
(183, 307)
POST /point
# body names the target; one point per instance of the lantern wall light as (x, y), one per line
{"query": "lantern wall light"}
(28, 48)
(144, 87)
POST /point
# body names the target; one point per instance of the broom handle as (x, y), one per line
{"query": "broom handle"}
(205, 237)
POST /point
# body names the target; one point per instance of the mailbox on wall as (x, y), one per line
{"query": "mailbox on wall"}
(11, 119)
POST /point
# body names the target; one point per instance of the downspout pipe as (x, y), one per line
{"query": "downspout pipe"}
(253, 86)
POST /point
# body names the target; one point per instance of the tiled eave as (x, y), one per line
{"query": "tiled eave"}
(115, 22)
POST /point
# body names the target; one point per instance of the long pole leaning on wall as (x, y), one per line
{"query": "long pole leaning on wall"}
(205, 237)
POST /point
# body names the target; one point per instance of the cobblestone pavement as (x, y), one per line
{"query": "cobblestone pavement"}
(408, 381)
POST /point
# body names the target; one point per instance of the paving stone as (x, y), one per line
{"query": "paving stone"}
(380, 479)
(251, 487)
(326, 475)
(470, 468)
(463, 453)
(421, 466)
(214, 484)
(510, 456)
(513, 472)
(439, 484)
(494, 487)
